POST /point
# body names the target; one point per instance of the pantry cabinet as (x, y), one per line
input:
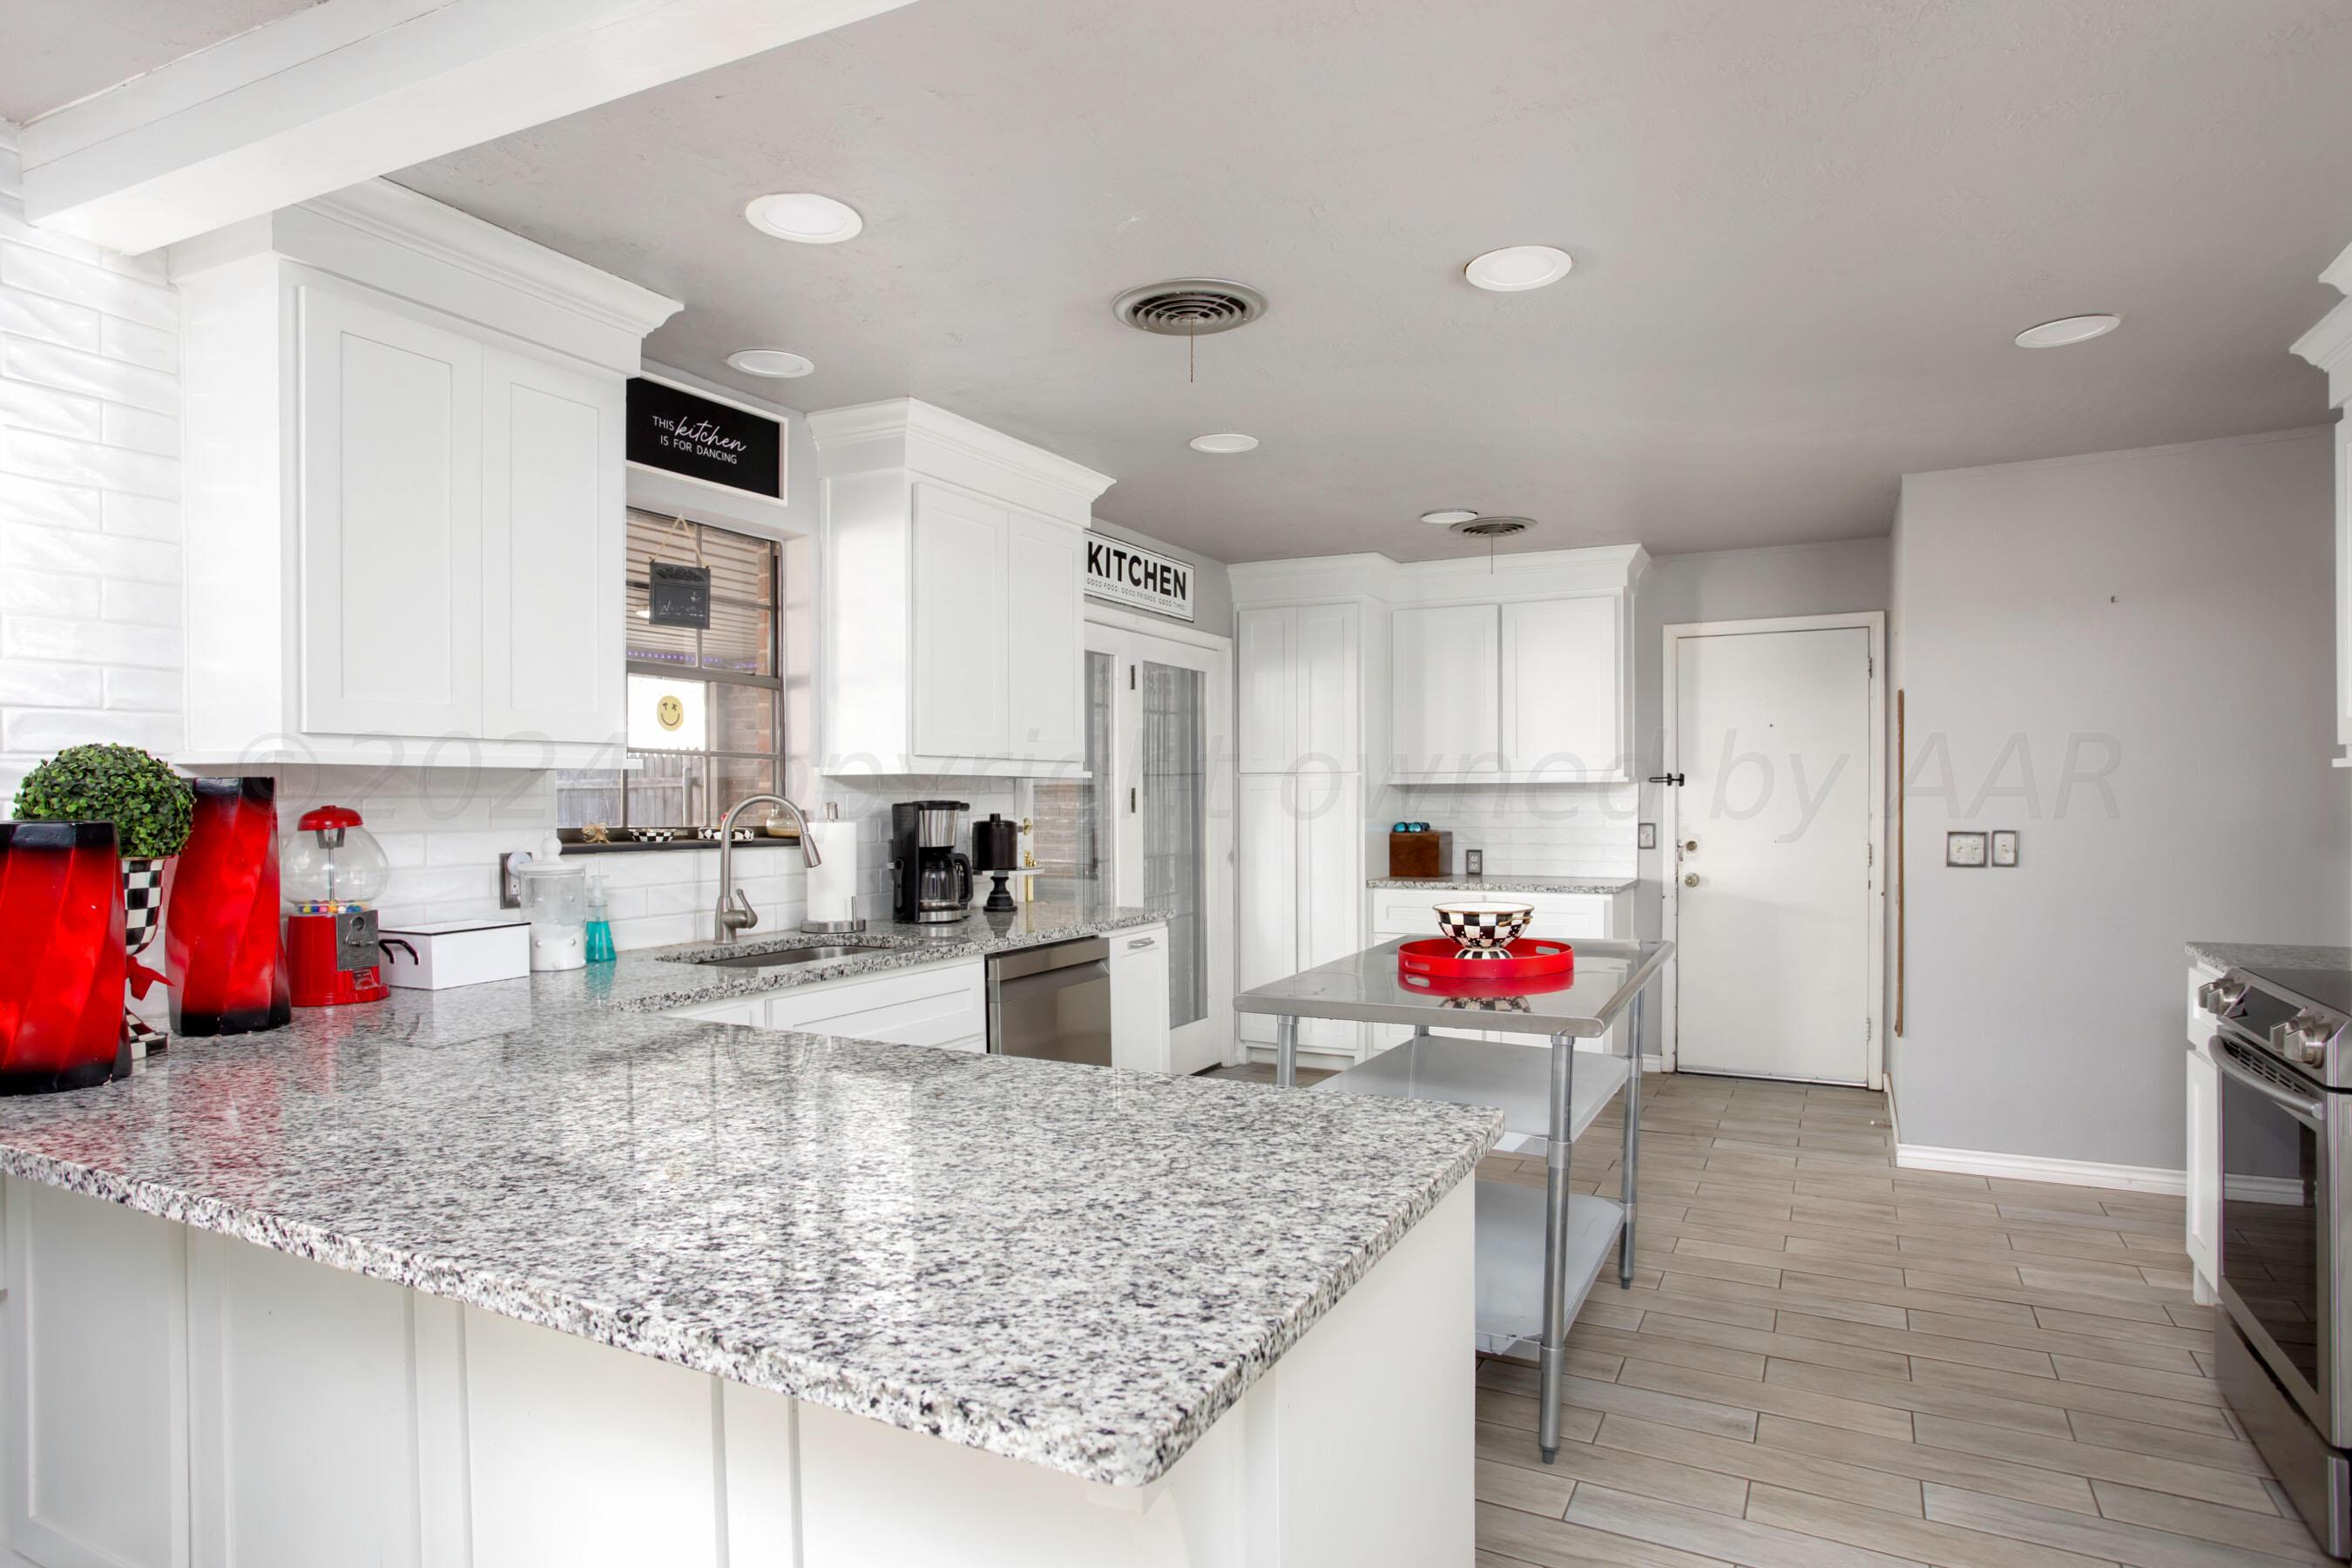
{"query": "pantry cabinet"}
(1518, 691)
(952, 564)
(1299, 840)
(404, 516)
(1297, 666)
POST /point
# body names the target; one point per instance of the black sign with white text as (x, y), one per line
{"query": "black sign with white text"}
(705, 439)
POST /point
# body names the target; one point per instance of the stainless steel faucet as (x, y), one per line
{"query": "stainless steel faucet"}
(735, 911)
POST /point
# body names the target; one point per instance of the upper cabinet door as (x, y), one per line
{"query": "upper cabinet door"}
(1329, 734)
(553, 515)
(391, 523)
(1045, 655)
(1443, 690)
(1560, 688)
(1266, 654)
(961, 607)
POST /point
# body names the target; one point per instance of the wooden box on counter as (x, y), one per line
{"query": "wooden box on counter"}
(1422, 854)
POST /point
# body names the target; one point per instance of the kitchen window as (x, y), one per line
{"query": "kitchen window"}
(704, 719)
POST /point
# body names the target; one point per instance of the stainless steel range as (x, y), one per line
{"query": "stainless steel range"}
(2283, 1344)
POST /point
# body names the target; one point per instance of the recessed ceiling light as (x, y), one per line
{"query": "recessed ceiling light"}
(1227, 441)
(771, 361)
(1517, 267)
(1447, 517)
(804, 216)
(2067, 329)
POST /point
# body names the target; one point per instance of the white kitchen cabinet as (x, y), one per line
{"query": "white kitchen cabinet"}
(942, 1005)
(1139, 999)
(1300, 688)
(403, 489)
(1562, 689)
(391, 524)
(1522, 691)
(1444, 718)
(960, 620)
(953, 596)
(553, 521)
(1300, 840)
(2329, 345)
(2203, 1191)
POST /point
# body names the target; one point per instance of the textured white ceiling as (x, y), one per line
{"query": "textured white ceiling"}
(54, 51)
(1804, 231)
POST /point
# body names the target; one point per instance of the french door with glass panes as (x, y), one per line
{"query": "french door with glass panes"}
(1159, 813)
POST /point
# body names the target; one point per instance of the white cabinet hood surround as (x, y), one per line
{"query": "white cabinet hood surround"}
(952, 620)
(404, 489)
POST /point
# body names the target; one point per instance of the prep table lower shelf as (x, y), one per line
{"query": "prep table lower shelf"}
(1510, 1262)
(1514, 1079)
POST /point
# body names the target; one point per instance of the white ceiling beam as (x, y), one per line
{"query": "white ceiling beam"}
(350, 89)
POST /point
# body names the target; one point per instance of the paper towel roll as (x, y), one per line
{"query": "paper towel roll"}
(832, 880)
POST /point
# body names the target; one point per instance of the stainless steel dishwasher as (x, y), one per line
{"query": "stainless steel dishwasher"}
(1052, 1002)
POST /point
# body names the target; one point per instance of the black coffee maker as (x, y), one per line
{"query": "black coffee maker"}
(930, 879)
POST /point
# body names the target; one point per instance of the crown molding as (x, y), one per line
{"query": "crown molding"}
(907, 433)
(1534, 574)
(402, 216)
(2329, 345)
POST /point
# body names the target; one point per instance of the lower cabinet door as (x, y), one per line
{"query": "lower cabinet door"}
(946, 1005)
(2202, 1241)
(1138, 1000)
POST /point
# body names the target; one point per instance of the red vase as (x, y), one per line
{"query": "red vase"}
(221, 952)
(61, 955)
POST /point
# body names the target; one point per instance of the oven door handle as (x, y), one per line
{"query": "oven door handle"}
(2310, 1112)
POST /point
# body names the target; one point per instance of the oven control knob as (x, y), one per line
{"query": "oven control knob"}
(2314, 1054)
(2218, 996)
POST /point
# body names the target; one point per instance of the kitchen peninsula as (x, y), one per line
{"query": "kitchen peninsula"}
(529, 1273)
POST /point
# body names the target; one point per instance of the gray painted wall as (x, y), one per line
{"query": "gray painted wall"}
(2169, 607)
(1213, 585)
(1728, 585)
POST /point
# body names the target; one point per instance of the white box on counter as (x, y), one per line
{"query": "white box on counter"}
(439, 954)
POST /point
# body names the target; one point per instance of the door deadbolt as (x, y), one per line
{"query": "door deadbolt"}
(1691, 880)
(1690, 846)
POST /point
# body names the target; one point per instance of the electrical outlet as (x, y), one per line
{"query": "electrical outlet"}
(1473, 862)
(510, 885)
(1648, 836)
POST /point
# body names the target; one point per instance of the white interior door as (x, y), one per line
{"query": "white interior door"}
(1162, 732)
(1773, 907)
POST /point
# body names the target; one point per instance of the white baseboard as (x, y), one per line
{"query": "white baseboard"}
(2035, 1168)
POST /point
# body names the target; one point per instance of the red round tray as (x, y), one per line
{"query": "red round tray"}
(1531, 958)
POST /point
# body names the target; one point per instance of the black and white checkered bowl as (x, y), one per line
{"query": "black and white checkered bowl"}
(1483, 928)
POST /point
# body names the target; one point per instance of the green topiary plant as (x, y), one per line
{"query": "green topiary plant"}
(149, 805)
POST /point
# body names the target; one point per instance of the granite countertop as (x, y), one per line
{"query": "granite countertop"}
(2267, 955)
(1078, 1266)
(1499, 883)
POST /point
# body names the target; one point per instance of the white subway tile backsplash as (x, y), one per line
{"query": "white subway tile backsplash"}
(150, 603)
(42, 457)
(105, 555)
(25, 683)
(148, 517)
(41, 731)
(142, 431)
(30, 407)
(53, 321)
(1550, 830)
(48, 592)
(33, 500)
(155, 347)
(90, 642)
(144, 300)
(90, 375)
(151, 690)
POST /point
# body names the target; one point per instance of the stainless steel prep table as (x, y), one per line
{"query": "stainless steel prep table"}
(1547, 1099)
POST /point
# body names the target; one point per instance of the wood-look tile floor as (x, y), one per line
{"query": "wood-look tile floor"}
(1827, 1361)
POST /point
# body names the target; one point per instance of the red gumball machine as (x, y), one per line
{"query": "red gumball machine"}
(331, 871)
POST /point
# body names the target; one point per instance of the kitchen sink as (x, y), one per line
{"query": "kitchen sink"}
(782, 957)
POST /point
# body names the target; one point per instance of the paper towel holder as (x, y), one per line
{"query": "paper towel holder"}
(832, 928)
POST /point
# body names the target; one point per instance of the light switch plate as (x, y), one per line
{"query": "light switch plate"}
(1964, 849)
(1648, 839)
(2004, 847)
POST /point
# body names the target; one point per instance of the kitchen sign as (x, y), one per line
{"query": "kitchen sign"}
(1142, 579)
(697, 437)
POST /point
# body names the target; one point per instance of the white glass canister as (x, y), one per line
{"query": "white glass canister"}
(555, 899)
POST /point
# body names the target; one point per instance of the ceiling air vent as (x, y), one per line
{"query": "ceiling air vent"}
(1190, 306)
(1493, 527)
